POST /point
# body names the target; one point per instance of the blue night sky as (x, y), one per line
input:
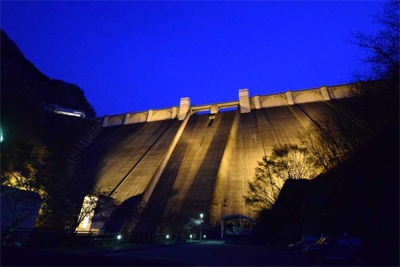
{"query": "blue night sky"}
(134, 56)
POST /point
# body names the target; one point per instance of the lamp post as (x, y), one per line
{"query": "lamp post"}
(1, 135)
(201, 225)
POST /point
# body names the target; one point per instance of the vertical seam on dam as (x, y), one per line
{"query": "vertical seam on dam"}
(140, 159)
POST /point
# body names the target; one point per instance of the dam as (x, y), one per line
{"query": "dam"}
(199, 159)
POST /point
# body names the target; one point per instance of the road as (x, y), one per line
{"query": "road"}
(211, 253)
(208, 253)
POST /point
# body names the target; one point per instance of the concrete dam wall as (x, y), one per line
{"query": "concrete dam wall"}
(183, 161)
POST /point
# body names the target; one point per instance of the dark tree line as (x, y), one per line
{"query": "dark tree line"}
(338, 146)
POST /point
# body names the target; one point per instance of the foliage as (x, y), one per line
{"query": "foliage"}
(23, 169)
(357, 133)
(333, 139)
(38, 153)
(97, 206)
(87, 211)
(106, 205)
(20, 169)
(17, 206)
(375, 106)
(286, 162)
(382, 46)
(22, 204)
(359, 197)
(348, 127)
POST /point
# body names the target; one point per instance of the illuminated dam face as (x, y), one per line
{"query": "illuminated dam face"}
(192, 163)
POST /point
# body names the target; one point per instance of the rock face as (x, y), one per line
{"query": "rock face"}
(210, 165)
(20, 79)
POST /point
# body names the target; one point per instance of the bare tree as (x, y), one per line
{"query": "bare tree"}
(106, 205)
(286, 162)
(86, 213)
(327, 142)
(97, 206)
(335, 138)
(382, 46)
(18, 206)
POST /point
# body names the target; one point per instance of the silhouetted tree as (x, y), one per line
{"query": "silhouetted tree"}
(375, 107)
(17, 206)
(382, 46)
(97, 206)
(106, 205)
(333, 139)
(286, 162)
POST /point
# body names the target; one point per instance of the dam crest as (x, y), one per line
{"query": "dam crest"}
(246, 103)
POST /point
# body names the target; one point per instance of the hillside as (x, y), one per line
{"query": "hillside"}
(21, 80)
(38, 144)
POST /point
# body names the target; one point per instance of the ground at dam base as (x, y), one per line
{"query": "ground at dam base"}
(195, 253)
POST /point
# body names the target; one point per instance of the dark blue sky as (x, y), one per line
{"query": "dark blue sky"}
(134, 56)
